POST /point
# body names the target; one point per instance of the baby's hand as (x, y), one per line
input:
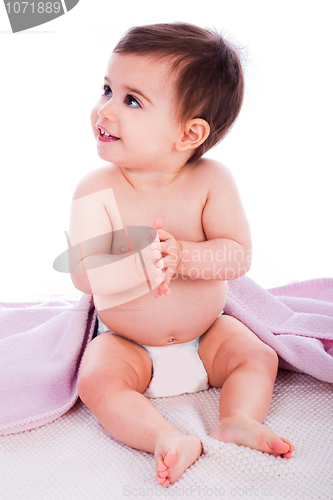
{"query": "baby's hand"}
(171, 252)
(150, 263)
(157, 271)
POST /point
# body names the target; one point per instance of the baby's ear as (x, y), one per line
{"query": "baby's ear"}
(193, 134)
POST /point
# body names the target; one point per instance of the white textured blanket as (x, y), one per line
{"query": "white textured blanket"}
(41, 343)
(74, 458)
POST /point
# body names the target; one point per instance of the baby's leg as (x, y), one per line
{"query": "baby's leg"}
(239, 362)
(114, 373)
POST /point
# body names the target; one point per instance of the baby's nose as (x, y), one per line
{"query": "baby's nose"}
(107, 110)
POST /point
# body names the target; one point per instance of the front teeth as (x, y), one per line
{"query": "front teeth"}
(104, 134)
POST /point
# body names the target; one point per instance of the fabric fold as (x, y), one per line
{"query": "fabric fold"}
(296, 320)
(42, 343)
(41, 346)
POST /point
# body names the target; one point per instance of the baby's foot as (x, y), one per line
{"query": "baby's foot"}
(174, 453)
(245, 431)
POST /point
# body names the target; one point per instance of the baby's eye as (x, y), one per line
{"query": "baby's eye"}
(107, 92)
(132, 102)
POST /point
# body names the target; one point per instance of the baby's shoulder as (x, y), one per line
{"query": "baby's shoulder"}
(97, 180)
(211, 172)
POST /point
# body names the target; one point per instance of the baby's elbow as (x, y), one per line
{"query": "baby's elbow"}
(243, 269)
(81, 282)
(246, 261)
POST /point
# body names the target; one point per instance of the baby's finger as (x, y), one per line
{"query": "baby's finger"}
(156, 254)
(156, 276)
(158, 273)
(157, 293)
(159, 278)
(151, 253)
(157, 224)
(165, 289)
(156, 245)
(163, 235)
(160, 264)
(169, 273)
(155, 273)
(172, 251)
(153, 234)
(169, 262)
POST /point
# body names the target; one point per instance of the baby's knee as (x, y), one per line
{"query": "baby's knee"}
(94, 383)
(264, 358)
(87, 385)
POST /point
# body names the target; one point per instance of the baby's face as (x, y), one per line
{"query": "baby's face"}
(134, 120)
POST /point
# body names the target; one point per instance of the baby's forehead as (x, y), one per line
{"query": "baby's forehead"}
(151, 70)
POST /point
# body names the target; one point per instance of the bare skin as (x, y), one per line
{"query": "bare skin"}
(114, 373)
(245, 368)
(203, 240)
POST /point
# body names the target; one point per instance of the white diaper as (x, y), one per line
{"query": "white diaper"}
(177, 368)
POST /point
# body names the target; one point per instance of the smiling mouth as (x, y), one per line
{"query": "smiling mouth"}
(104, 136)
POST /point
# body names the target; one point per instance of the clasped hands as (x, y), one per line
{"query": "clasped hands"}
(166, 255)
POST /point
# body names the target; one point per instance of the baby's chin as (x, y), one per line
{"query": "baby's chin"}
(103, 156)
(107, 157)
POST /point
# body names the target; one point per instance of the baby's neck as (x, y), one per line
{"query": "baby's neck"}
(151, 180)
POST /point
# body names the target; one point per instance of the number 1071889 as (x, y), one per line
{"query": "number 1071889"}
(33, 7)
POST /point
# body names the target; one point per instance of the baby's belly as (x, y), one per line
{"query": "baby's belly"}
(191, 309)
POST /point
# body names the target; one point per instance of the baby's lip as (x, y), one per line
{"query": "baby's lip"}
(99, 127)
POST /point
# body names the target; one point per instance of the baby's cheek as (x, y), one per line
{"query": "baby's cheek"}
(93, 120)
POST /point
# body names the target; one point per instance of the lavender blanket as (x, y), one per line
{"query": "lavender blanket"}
(295, 320)
(41, 344)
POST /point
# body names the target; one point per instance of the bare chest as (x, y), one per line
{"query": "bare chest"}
(178, 318)
(180, 211)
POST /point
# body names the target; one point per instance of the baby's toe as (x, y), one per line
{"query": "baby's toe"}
(279, 447)
(163, 473)
(162, 481)
(289, 453)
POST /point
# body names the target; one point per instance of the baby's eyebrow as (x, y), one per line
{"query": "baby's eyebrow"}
(131, 89)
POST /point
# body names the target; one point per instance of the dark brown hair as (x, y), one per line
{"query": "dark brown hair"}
(210, 82)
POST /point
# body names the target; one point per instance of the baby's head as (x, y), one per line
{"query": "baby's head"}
(209, 82)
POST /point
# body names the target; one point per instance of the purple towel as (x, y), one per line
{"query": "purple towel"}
(41, 344)
(295, 320)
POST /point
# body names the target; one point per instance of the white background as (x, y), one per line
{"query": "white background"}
(280, 149)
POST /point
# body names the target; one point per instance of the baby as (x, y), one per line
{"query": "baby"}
(171, 92)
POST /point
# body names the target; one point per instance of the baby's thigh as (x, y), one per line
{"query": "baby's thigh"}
(111, 360)
(227, 344)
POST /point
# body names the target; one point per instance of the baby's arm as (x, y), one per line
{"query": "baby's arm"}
(227, 252)
(93, 269)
